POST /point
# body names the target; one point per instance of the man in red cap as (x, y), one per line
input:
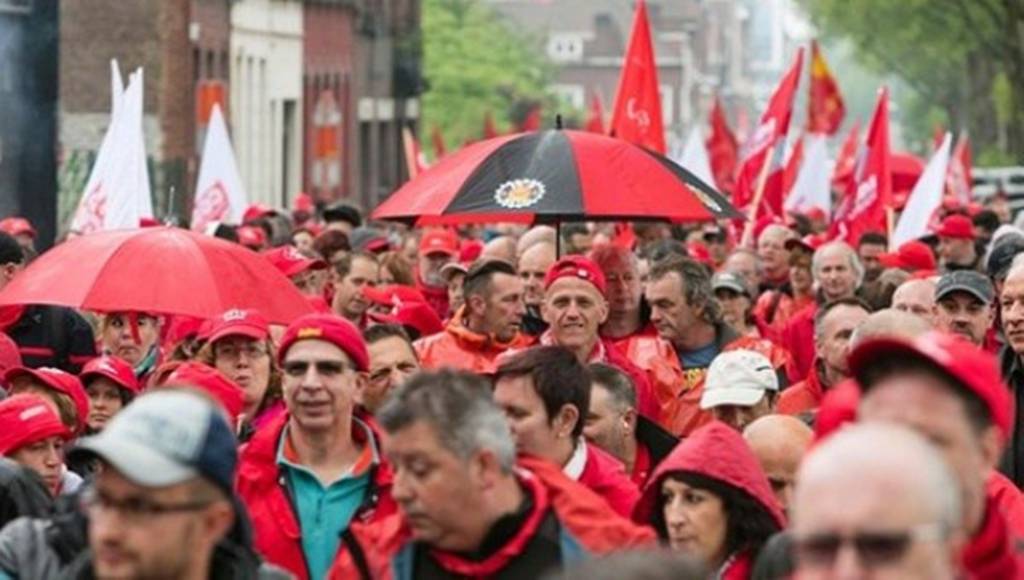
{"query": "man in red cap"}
(352, 273)
(956, 243)
(315, 471)
(437, 248)
(21, 229)
(951, 392)
(306, 273)
(486, 326)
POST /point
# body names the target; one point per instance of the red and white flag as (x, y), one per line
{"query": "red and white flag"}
(863, 206)
(636, 116)
(767, 145)
(220, 196)
(117, 194)
(959, 180)
(693, 155)
(920, 212)
(595, 118)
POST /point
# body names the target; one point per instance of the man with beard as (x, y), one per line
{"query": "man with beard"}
(437, 248)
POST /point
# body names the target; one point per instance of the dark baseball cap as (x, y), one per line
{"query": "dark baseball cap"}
(1002, 255)
(974, 283)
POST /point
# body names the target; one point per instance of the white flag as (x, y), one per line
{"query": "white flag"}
(694, 157)
(925, 198)
(113, 196)
(220, 195)
(116, 88)
(813, 185)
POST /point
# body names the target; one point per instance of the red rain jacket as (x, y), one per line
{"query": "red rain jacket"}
(587, 527)
(716, 451)
(604, 474)
(275, 522)
(797, 336)
(461, 348)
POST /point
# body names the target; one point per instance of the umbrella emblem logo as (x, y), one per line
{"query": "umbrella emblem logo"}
(519, 193)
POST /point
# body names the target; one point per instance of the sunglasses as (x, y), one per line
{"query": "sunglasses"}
(327, 368)
(874, 548)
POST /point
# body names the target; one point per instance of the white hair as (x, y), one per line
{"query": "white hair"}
(855, 264)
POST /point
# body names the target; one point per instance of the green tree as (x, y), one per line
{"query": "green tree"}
(474, 63)
(962, 59)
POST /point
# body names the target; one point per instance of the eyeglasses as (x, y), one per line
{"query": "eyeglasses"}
(134, 510)
(874, 548)
(252, 351)
(327, 368)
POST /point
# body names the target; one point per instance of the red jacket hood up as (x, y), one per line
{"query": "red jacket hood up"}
(719, 452)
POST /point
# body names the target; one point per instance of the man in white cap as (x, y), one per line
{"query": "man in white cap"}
(741, 386)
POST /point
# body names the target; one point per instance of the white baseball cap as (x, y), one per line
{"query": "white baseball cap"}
(738, 377)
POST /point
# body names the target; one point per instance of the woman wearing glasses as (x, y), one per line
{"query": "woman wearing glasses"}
(239, 346)
(710, 499)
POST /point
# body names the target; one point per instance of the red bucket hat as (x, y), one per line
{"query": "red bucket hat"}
(974, 369)
(329, 328)
(113, 368)
(576, 267)
(26, 419)
(60, 381)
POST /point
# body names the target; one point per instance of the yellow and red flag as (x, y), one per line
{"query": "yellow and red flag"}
(825, 107)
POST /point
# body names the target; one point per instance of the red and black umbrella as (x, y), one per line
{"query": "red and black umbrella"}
(552, 177)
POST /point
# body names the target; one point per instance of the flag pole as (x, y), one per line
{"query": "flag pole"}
(748, 229)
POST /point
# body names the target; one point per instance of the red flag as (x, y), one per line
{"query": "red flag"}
(636, 116)
(595, 120)
(792, 169)
(938, 135)
(438, 140)
(842, 173)
(863, 206)
(490, 130)
(767, 145)
(722, 149)
(825, 108)
(959, 180)
(532, 120)
(414, 162)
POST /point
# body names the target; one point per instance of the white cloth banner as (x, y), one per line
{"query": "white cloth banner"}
(925, 198)
(220, 196)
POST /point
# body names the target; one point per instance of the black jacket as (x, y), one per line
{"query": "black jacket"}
(1012, 464)
(53, 336)
(658, 441)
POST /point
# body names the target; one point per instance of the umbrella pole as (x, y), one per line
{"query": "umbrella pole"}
(558, 240)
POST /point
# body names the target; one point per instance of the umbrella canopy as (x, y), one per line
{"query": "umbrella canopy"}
(554, 176)
(161, 270)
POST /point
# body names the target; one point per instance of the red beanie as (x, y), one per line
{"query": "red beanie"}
(27, 419)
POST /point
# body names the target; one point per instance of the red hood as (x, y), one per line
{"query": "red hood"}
(719, 452)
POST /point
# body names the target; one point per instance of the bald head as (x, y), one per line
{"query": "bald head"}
(536, 235)
(916, 297)
(779, 442)
(500, 248)
(889, 323)
(533, 265)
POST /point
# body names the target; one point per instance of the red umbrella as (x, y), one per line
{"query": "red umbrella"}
(161, 270)
(554, 176)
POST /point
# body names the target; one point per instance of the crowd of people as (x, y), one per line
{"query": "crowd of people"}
(502, 401)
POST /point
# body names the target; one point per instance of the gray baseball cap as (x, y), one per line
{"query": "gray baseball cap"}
(974, 283)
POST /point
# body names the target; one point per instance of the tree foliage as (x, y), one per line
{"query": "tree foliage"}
(476, 64)
(963, 60)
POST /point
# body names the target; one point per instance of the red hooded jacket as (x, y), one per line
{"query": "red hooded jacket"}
(278, 537)
(588, 527)
(604, 474)
(716, 451)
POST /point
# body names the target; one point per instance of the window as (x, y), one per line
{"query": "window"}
(571, 96)
(565, 48)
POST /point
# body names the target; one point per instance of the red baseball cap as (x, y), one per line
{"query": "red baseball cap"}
(329, 328)
(439, 241)
(911, 256)
(111, 367)
(303, 202)
(956, 226)
(256, 211)
(964, 363)
(237, 322)
(393, 295)
(291, 262)
(26, 419)
(17, 226)
(418, 315)
(470, 250)
(252, 237)
(576, 267)
(60, 381)
(213, 382)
